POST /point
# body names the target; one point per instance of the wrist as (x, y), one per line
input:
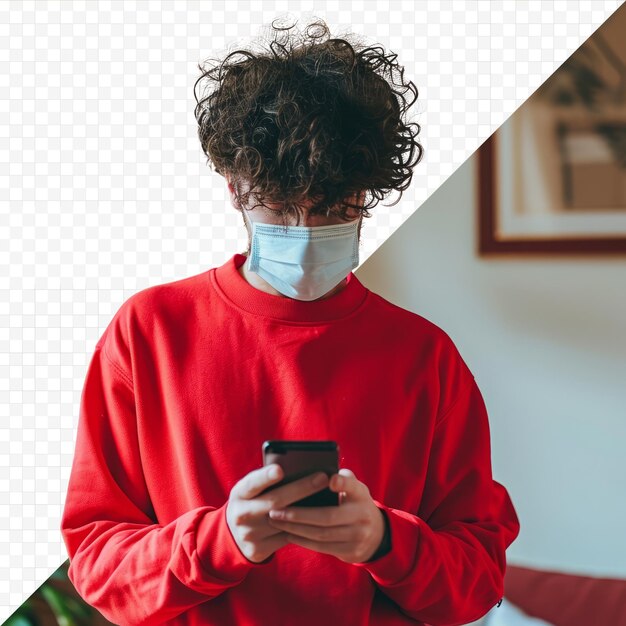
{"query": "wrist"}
(385, 544)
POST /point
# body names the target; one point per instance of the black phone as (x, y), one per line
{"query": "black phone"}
(302, 458)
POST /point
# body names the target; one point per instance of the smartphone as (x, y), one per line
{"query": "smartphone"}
(302, 458)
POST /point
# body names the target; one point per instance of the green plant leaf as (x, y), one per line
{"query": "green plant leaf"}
(18, 620)
(58, 606)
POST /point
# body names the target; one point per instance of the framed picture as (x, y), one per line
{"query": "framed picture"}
(552, 178)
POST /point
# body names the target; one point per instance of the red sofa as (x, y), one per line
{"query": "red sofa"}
(566, 599)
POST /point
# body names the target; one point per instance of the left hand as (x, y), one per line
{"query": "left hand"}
(351, 531)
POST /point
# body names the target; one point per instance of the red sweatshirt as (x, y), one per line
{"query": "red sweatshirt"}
(185, 384)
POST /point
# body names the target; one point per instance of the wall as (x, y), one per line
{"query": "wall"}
(546, 340)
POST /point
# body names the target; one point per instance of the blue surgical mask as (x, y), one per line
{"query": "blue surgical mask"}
(303, 262)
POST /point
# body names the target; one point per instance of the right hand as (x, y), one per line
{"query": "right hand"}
(247, 511)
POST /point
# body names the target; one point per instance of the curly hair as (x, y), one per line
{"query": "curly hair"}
(313, 120)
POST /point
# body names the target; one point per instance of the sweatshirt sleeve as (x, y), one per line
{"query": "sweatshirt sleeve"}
(124, 563)
(447, 561)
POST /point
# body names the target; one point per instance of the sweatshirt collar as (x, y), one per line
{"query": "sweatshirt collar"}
(235, 288)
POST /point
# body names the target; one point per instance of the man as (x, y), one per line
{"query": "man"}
(165, 520)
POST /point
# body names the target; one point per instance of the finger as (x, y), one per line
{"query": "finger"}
(336, 548)
(252, 484)
(274, 539)
(347, 482)
(318, 515)
(268, 546)
(326, 534)
(292, 492)
(267, 531)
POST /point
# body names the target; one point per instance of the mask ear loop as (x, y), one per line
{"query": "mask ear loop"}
(253, 251)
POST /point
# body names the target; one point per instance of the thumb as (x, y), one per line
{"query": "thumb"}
(344, 480)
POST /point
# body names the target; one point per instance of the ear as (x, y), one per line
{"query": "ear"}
(230, 185)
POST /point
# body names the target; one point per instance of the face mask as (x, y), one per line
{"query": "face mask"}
(303, 262)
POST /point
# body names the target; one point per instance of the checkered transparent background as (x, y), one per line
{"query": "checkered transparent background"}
(105, 191)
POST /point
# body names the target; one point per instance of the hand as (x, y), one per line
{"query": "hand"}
(352, 531)
(247, 511)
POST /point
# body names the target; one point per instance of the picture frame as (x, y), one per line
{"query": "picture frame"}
(552, 178)
(489, 216)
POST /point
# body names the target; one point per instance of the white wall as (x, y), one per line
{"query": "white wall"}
(546, 340)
